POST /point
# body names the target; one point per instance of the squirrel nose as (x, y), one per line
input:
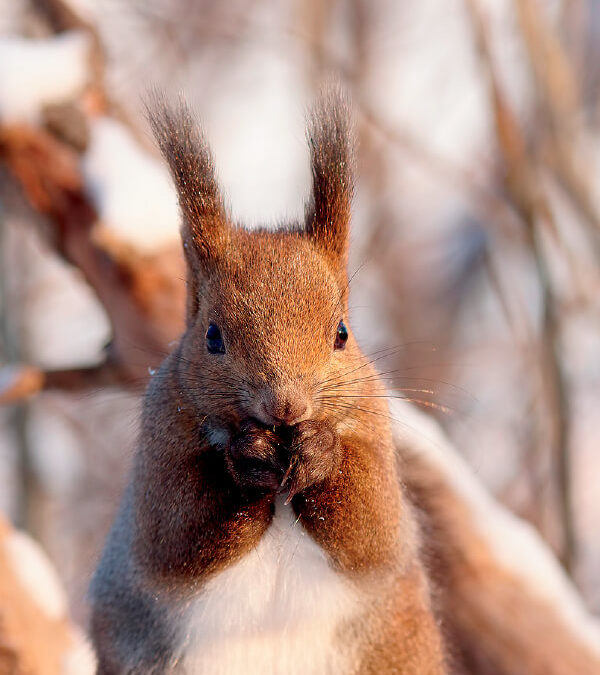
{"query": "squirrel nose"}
(283, 408)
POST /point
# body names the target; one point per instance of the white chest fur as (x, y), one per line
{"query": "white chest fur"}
(277, 611)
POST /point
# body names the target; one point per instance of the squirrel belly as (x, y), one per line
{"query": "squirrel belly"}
(281, 609)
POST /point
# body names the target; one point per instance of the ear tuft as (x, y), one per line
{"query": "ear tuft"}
(331, 141)
(185, 150)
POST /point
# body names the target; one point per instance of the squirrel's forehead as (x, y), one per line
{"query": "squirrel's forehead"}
(279, 267)
(278, 279)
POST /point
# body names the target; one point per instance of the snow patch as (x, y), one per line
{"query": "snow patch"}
(36, 73)
(80, 659)
(131, 189)
(33, 569)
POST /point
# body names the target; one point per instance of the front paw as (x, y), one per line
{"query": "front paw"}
(254, 459)
(315, 455)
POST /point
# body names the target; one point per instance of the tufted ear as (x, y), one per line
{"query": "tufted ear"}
(204, 228)
(330, 140)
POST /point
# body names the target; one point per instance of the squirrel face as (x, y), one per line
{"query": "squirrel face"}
(265, 330)
(265, 310)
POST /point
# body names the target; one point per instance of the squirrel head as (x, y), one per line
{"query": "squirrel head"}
(266, 310)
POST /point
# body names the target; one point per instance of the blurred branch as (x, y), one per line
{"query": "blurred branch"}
(60, 16)
(490, 206)
(527, 193)
(559, 99)
(19, 382)
(141, 295)
(11, 316)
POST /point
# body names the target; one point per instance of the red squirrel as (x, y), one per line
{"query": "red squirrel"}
(265, 528)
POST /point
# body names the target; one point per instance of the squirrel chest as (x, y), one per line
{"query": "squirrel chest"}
(281, 609)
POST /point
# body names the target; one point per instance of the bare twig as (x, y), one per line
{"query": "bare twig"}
(19, 382)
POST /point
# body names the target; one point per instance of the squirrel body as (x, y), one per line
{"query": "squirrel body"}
(265, 527)
(279, 609)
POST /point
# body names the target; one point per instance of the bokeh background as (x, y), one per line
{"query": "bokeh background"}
(475, 243)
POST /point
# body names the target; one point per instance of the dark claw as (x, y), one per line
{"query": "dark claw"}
(296, 485)
(286, 475)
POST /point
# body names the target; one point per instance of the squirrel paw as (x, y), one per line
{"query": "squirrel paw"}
(315, 454)
(253, 459)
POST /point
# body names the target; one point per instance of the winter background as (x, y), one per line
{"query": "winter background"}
(475, 241)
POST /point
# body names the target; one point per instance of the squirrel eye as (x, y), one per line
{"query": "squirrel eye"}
(214, 340)
(341, 337)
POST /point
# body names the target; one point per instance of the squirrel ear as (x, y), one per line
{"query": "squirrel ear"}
(204, 228)
(330, 140)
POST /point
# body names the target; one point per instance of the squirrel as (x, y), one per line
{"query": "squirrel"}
(265, 528)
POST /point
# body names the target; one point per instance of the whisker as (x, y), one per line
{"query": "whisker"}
(427, 404)
(419, 401)
(397, 376)
(383, 353)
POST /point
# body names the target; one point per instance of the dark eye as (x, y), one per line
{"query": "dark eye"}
(341, 337)
(214, 340)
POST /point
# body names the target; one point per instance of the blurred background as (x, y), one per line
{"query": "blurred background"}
(475, 244)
